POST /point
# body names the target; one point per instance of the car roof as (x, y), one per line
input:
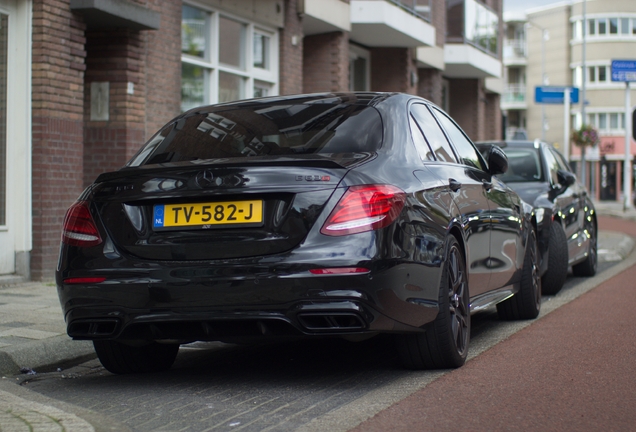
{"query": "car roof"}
(513, 143)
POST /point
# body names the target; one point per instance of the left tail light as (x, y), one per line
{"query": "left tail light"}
(364, 208)
(79, 227)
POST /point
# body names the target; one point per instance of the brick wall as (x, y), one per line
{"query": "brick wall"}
(291, 51)
(114, 56)
(430, 85)
(326, 62)
(493, 117)
(467, 106)
(438, 20)
(57, 110)
(162, 55)
(392, 69)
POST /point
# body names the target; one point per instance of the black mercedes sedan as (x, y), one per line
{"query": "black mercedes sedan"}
(326, 215)
(565, 213)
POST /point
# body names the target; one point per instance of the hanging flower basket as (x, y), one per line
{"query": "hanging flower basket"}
(586, 136)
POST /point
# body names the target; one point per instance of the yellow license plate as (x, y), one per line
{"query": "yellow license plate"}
(207, 214)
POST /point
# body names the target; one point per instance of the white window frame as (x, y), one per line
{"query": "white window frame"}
(593, 118)
(251, 75)
(577, 23)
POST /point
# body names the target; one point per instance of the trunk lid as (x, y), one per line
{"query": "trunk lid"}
(210, 212)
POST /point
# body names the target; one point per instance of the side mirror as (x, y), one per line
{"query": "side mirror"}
(497, 160)
(566, 178)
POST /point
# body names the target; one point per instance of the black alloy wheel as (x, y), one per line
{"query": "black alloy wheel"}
(445, 343)
(554, 278)
(526, 303)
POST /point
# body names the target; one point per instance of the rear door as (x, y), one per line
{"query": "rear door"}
(569, 203)
(465, 185)
(504, 259)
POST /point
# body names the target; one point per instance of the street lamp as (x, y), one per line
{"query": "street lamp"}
(545, 36)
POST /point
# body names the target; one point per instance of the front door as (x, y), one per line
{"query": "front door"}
(7, 246)
(15, 136)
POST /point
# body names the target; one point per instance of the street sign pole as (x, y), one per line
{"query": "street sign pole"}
(627, 175)
(566, 121)
(625, 71)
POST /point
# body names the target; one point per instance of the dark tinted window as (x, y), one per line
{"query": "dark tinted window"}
(467, 151)
(433, 134)
(524, 165)
(425, 152)
(266, 130)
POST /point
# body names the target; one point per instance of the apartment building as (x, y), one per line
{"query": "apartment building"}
(544, 46)
(83, 83)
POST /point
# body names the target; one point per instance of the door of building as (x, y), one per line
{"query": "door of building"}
(608, 180)
(7, 247)
(15, 136)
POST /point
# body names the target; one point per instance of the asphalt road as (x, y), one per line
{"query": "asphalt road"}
(570, 370)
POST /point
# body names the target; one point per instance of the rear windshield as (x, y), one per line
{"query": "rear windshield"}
(265, 130)
(524, 165)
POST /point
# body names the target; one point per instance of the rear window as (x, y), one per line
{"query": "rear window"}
(524, 165)
(265, 130)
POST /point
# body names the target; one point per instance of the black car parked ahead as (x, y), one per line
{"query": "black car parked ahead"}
(566, 217)
(303, 216)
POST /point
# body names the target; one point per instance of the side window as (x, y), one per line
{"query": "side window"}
(560, 160)
(553, 166)
(467, 151)
(433, 133)
(421, 145)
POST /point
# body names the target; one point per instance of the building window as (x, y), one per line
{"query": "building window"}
(596, 75)
(606, 27)
(225, 58)
(607, 123)
(359, 68)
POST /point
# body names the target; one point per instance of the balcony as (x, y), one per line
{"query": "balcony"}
(390, 23)
(515, 52)
(472, 41)
(514, 97)
(324, 16)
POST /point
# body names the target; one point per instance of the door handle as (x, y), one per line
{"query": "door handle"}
(486, 184)
(454, 184)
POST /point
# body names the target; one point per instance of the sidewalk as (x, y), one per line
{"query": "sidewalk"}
(33, 338)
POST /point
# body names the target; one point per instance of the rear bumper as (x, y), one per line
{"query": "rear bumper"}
(225, 303)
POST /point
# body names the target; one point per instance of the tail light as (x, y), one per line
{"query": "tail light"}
(364, 208)
(79, 227)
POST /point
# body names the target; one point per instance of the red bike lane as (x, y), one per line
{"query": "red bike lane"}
(572, 370)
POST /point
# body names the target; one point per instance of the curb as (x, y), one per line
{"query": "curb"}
(44, 354)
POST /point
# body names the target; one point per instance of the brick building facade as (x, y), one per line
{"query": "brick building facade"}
(103, 76)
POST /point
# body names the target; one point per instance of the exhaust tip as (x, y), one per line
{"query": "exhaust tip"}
(92, 329)
(331, 321)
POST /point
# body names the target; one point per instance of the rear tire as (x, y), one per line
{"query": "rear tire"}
(526, 303)
(588, 267)
(119, 358)
(554, 278)
(444, 345)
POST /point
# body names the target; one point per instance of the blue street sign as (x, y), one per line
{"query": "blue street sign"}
(623, 70)
(555, 94)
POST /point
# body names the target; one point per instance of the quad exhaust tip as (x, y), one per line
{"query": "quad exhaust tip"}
(331, 321)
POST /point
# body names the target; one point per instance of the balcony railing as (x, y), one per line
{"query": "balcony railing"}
(473, 23)
(515, 48)
(514, 93)
(418, 8)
